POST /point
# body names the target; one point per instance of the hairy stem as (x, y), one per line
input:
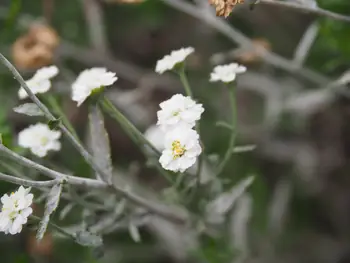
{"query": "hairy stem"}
(126, 124)
(56, 108)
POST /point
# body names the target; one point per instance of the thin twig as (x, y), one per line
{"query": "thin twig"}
(27, 183)
(305, 44)
(74, 180)
(307, 9)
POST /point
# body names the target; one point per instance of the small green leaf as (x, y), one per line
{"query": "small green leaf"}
(53, 124)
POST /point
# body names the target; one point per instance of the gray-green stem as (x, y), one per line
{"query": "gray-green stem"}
(188, 92)
(231, 144)
(57, 108)
(185, 82)
(127, 125)
(27, 183)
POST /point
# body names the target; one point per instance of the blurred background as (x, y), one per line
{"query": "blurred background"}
(293, 105)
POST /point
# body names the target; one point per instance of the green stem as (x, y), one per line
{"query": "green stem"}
(200, 159)
(127, 125)
(58, 110)
(185, 82)
(188, 91)
(231, 145)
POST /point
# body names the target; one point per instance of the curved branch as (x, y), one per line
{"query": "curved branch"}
(27, 183)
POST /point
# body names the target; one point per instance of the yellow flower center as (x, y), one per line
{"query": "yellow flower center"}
(177, 149)
(44, 141)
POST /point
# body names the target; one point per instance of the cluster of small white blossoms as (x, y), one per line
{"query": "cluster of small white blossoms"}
(91, 80)
(176, 57)
(39, 138)
(176, 120)
(176, 137)
(15, 210)
(226, 73)
(40, 82)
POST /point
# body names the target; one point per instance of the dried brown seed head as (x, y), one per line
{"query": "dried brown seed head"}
(224, 7)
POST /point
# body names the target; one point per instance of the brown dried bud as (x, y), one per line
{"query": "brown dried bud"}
(36, 48)
(224, 7)
(45, 35)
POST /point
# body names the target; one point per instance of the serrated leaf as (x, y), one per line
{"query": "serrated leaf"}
(88, 239)
(100, 143)
(52, 202)
(134, 233)
(224, 202)
(29, 109)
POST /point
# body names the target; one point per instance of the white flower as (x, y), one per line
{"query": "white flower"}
(39, 139)
(156, 136)
(170, 61)
(182, 148)
(226, 73)
(40, 82)
(90, 80)
(179, 110)
(15, 210)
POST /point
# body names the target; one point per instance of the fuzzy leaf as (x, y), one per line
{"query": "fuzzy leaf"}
(134, 233)
(100, 143)
(30, 109)
(88, 239)
(224, 202)
(51, 204)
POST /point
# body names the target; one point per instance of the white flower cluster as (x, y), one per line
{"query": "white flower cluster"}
(40, 82)
(174, 58)
(15, 210)
(39, 139)
(90, 80)
(226, 73)
(176, 120)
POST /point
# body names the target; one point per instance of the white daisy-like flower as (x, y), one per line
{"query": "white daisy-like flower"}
(182, 148)
(90, 80)
(226, 73)
(40, 139)
(175, 57)
(15, 210)
(156, 136)
(179, 110)
(40, 82)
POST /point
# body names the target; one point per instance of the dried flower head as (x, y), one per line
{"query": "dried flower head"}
(224, 7)
(36, 48)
